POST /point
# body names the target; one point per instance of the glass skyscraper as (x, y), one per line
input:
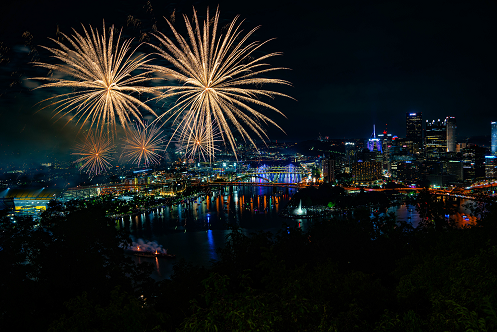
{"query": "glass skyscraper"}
(493, 125)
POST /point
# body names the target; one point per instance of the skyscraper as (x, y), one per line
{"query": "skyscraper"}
(414, 130)
(386, 142)
(493, 125)
(435, 139)
(328, 164)
(349, 155)
(451, 133)
(374, 143)
(490, 167)
(366, 171)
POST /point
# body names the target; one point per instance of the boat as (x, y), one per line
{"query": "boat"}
(149, 254)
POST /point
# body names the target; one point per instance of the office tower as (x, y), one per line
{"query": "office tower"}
(493, 125)
(366, 171)
(435, 139)
(349, 155)
(451, 133)
(414, 131)
(490, 167)
(455, 167)
(374, 143)
(386, 143)
(405, 171)
(328, 165)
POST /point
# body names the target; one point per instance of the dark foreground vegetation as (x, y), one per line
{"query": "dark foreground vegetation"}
(69, 273)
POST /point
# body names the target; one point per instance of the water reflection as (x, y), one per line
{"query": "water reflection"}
(407, 213)
(247, 206)
(212, 246)
(157, 268)
(462, 217)
(194, 229)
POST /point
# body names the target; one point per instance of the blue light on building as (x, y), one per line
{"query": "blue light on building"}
(493, 125)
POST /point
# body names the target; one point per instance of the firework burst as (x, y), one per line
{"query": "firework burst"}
(95, 151)
(142, 144)
(220, 79)
(200, 142)
(98, 68)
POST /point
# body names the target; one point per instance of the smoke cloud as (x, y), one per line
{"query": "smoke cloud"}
(150, 246)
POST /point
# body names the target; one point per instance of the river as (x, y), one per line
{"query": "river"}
(193, 230)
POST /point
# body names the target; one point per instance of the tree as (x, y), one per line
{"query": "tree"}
(73, 249)
(122, 313)
(434, 211)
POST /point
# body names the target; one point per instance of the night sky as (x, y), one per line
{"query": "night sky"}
(353, 64)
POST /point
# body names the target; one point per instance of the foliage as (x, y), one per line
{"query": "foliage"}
(73, 249)
(173, 296)
(361, 272)
(122, 313)
(251, 310)
(434, 211)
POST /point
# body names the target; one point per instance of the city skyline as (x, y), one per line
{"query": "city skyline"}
(352, 65)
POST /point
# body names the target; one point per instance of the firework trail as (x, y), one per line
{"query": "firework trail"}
(98, 69)
(220, 79)
(142, 144)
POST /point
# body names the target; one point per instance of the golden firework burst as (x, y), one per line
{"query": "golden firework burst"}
(143, 144)
(98, 68)
(95, 151)
(220, 79)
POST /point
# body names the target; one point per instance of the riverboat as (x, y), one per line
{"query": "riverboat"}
(149, 254)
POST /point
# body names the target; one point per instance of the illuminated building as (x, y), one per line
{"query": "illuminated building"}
(491, 167)
(28, 202)
(366, 171)
(349, 155)
(414, 131)
(405, 171)
(451, 133)
(473, 158)
(328, 164)
(494, 138)
(435, 139)
(460, 146)
(374, 143)
(455, 167)
(386, 143)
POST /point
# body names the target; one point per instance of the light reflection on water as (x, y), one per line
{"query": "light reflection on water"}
(408, 213)
(212, 246)
(193, 230)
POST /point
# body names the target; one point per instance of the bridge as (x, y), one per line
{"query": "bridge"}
(258, 184)
(454, 193)
(273, 174)
(488, 187)
(284, 176)
(289, 169)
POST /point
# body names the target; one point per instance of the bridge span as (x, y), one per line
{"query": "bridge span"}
(239, 183)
